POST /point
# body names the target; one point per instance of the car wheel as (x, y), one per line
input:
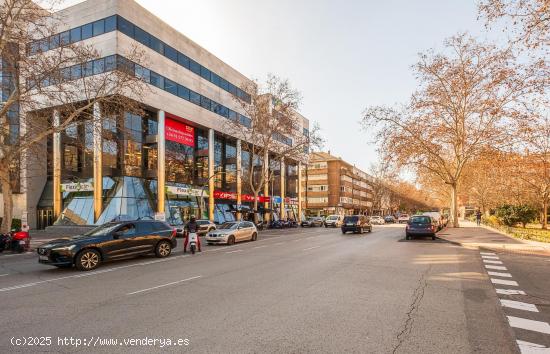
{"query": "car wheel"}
(343, 232)
(407, 237)
(433, 237)
(361, 230)
(231, 240)
(370, 229)
(88, 260)
(254, 237)
(209, 243)
(163, 249)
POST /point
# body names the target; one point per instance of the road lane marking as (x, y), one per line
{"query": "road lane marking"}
(510, 292)
(530, 325)
(504, 282)
(88, 274)
(487, 253)
(532, 348)
(3, 275)
(278, 243)
(163, 285)
(500, 274)
(235, 251)
(311, 248)
(518, 305)
(489, 257)
(259, 247)
(488, 266)
(491, 261)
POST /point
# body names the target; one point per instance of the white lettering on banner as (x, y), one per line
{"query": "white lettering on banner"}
(192, 192)
(77, 187)
(160, 216)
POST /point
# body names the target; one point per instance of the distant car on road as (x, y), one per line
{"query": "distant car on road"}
(312, 222)
(231, 232)
(421, 225)
(205, 226)
(334, 221)
(436, 216)
(111, 241)
(377, 220)
(403, 219)
(389, 219)
(356, 224)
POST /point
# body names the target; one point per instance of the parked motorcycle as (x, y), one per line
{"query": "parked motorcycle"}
(15, 241)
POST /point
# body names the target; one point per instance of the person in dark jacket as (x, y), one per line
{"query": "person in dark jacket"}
(191, 227)
(478, 217)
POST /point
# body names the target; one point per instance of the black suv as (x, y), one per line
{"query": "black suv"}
(109, 241)
(356, 224)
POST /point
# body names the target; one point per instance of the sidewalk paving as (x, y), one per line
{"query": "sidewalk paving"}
(470, 235)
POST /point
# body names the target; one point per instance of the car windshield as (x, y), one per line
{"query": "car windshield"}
(351, 219)
(421, 219)
(404, 216)
(332, 217)
(102, 230)
(227, 226)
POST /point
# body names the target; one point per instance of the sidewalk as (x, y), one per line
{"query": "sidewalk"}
(469, 235)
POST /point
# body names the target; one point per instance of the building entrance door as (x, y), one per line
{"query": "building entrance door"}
(45, 218)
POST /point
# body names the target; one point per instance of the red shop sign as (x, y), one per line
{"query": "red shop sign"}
(244, 197)
(179, 132)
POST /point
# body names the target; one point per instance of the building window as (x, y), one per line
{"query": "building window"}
(110, 154)
(133, 133)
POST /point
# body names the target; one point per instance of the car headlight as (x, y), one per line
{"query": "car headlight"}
(68, 248)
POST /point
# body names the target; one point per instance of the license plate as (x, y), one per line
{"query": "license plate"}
(43, 258)
(22, 242)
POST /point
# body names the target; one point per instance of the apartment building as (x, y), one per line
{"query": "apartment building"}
(333, 186)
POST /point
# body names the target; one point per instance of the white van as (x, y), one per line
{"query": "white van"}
(334, 221)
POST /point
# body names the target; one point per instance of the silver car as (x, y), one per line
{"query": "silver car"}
(231, 232)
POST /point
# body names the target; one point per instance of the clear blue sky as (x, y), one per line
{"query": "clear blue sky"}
(341, 54)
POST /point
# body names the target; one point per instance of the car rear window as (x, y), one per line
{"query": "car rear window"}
(351, 219)
(421, 219)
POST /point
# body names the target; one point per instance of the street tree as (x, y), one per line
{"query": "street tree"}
(42, 68)
(466, 96)
(275, 130)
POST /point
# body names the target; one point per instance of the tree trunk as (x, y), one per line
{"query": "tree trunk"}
(7, 197)
(544, 214)
(255, 207)
(454, 206)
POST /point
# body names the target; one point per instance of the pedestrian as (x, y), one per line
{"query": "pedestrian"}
(478, 217)
(191, 227)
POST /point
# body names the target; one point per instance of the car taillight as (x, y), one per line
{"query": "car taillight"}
(174, 232)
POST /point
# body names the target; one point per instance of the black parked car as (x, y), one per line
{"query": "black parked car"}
(356, 224)
(421, 225)
(107, 242)
(312, 222)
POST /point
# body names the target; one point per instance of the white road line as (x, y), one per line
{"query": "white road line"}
(491, 261)
(518, 305)
(530, 325)
(88, 274)
(510, 292)
(488, 266)
(489, 257)
(311, 248)
(500, 274)
(278, 243)
(504, 282)
(487, 253)
(532, 348)
(259, 247)
(163, 285)
(3, 275)
(234, 251)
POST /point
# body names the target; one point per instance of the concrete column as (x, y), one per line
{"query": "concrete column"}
(283, 179)
(57, 202)
(267, 217)
(98, 164)
(161, 162)
(299, 191)
(211, 177)
(239, 179)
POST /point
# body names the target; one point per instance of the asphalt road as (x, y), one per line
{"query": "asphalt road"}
(292, 291)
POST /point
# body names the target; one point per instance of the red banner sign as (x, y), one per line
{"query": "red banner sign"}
(179, 132)
(244, 197)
